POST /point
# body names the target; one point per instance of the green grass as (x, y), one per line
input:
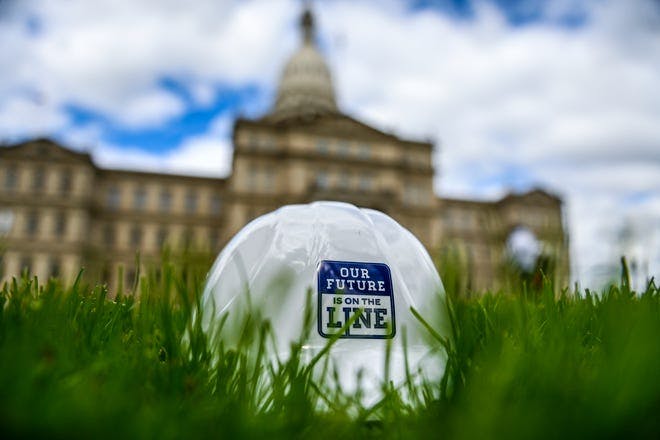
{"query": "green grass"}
(76, 364)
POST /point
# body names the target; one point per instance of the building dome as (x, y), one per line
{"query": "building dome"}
(305, 87)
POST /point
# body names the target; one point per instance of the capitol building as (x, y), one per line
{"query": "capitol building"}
(59, 211)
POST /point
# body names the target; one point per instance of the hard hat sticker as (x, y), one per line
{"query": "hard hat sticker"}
(347, 289)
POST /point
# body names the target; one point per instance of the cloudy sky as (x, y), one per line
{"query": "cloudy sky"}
(561, 94)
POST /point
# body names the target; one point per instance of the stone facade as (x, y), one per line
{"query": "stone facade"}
(65, 213)
(60, 211)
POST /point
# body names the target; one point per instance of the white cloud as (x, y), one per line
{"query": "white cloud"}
(151, 108)
(111, 57)
(82, 137)
(200, 156)
(22, 114)
(208, 154)
(203, 93)
(574, 109)
(205, 155)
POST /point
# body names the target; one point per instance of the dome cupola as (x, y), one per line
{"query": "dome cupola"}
(305, 87)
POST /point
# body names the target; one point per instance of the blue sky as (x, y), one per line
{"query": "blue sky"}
(517, 13)
(562, 94)
(195, 120)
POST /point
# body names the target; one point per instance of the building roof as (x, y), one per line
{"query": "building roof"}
(330, 125)
(537, 195)
(49, 151)
(45, 150)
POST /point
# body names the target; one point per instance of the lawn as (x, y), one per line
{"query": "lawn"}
(75, 363)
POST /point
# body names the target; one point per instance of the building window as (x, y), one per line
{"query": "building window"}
(216, 205)
(136, 236)
(112, 197)
(268, 144)
(32, 224)
(60, 224)
(213, 238)
(253, 142)
(26, 264)
(322, 146)
(414, 195)
(139, 198)
(39, 178)
(364, 151)
(165, 201)
(11, 178)
(65, 182)
(409, 194)
(6, 222)
(54, 269)
(453, 218)
(253, 176)
(109, 235)
(269, 180)
(344, 180)
(105, 274)
(187, 238)
(365, 183)
(343, 149)
(322, 180)
(161, 237)
(131, 277)
(191, 202)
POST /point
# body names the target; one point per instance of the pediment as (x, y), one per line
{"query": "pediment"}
(535, 196)
(346, 126)
(331, 125)
(342, 125)
(44, 150)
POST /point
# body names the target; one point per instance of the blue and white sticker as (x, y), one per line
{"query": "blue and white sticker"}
(347, 288)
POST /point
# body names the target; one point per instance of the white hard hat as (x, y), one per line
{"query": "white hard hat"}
(322, 264)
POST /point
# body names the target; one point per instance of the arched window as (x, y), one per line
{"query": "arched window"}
(523, 248)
